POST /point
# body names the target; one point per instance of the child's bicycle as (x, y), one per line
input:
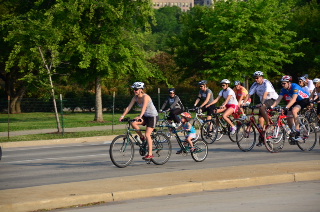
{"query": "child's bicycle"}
(201, 148)
(212, 130)
(198, 119)
(122, 147)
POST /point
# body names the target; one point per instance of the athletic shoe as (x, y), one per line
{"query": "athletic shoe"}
(233, 130)
(148, 157)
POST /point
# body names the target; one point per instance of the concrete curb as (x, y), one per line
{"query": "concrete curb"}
(58, 141)
(160, 184)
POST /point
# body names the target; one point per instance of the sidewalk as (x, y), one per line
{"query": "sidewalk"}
(75, 129)
(133, 187)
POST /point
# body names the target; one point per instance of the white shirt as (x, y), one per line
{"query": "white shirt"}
(310, 85)
(266, 86)
(225, 93)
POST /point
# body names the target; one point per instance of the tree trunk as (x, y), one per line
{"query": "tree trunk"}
(15, 103)
(98, 104)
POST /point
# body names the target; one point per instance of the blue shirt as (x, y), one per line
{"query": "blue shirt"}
(295, 89)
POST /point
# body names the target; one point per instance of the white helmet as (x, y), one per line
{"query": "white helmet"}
(304, 79)
(237, 83)
(258, 74)
(225, 81)
(139, 85)
(316, 80)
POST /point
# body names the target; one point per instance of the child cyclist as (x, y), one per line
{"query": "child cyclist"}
(229, 106)
(191, 131)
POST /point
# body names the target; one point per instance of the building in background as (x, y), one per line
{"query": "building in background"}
(204, 2)
(185, 5)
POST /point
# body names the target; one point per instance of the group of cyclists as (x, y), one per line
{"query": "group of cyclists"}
(297, 96)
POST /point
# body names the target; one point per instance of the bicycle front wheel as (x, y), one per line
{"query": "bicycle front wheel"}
(161, 148)
(121, 151)
(238, 124)
(274, 138)
(209, 132)
(201, 152)
(246, 137)
(308, 134)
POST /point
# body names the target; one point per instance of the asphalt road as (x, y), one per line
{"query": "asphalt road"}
(292, 197)
(43, 165)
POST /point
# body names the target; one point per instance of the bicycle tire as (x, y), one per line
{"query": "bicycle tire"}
(162, 148)
(274, 138)
(313, 119)
(209, 131)
(309, 135)
(246, 137)
(121, 151)
(237, 123)
(201, 152)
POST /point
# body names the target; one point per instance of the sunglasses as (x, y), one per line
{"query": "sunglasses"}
(283, 83)
(171, 92)
(135, 89)
(256, 78)
(201, 86)
(223, 85)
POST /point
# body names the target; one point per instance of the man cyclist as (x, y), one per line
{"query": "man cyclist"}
(206, 95)
(267, 94)
(299, 100)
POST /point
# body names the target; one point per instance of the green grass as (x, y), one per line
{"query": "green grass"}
(51, 136)
(32, 121)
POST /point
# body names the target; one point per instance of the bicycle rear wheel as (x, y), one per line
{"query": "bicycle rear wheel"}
(313, 119)
(246, 137)
(162, 148)
(308, 134)
(201, 152)
(209, 131)
(121, 151)
(274, 138)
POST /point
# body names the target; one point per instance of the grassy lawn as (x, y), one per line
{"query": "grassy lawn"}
(32, 121)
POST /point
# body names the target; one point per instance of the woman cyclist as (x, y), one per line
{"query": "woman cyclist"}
(241, 93)
(175, 106)
(148, 116)
(229, 106)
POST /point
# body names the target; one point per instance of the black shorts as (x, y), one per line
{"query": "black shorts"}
(209, 109)
(150, 121)
(302, 103)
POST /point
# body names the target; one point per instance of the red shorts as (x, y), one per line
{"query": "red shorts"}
(235, 107)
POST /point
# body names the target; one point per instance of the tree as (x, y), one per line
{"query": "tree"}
(240, 37)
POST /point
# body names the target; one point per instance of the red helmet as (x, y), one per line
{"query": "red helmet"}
(286, 78)
(186, 115)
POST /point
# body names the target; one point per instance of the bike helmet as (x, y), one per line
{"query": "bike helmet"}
(237, 83)
(138, 85)
(306, 76)
(316, 80)
(286, 78)
(225, 81)
(186, 115)
(172, 90)
(258, 74)
(203, 82)
(304, 79)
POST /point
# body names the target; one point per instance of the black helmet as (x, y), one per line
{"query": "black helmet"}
(203, 82)
(172, 90)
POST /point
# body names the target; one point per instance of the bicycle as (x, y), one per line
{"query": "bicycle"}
(246, 134)
(199, 118)
(312, 116)
(201, 148)
(306, 131)
(214, 129)
(122, 147)
(164, 122)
